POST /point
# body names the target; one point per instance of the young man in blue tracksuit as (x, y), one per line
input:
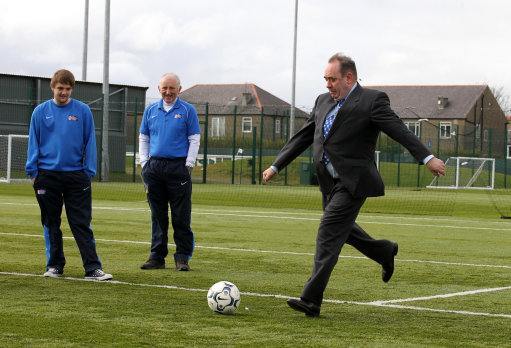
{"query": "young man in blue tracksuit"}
(61, 162)
(168, 146)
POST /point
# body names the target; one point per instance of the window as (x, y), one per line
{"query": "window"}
(277, 126)
(485, 135)
(218, 127)
(445, 130)
(415, 127)
(246, 125)
(478, 131)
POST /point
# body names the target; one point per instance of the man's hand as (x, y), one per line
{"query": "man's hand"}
(436, 166)
(190, 168)
(268, 174)
(33, 181)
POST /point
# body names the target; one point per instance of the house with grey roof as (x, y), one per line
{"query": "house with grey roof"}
(239, 108)
(451, 119)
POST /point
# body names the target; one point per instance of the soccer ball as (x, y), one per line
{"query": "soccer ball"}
(224, 297)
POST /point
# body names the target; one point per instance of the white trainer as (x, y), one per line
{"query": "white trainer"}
(53, 272)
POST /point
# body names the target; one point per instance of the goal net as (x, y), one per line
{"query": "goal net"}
(13, 156)
(466, 173)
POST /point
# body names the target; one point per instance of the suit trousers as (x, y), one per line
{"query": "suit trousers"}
(336, 228)
(168, 183)
(53, 189)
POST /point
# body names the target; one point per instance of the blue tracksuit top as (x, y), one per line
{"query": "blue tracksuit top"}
(61, 138)
(169, 131)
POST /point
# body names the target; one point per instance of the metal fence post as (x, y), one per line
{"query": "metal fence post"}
(100, 146)
(457, 141)
(205, 157)
(254, 145)
(506, 143)
(135, 122)
(261, 146)
(490, 143)
(285, 169)
(398, 165)
(233, 144)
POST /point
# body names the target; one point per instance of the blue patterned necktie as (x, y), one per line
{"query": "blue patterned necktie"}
(329, 121)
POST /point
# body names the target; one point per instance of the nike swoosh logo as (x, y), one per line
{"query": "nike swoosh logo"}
(47, 117)
(153, 116)
(184, 183)
(85, 189)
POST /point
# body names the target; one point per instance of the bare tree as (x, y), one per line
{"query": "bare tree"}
(502, 99)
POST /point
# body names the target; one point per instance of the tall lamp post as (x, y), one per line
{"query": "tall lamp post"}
(105, 163)
(293, 83)
(85, 40)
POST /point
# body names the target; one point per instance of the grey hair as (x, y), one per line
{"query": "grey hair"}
(345, 62)
(172, 75)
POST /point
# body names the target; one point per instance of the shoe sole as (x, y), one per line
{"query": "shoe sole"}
(52, 275)
(100, 279)
(157, 267)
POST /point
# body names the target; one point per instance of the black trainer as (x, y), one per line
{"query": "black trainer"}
(98, 275)
(153, 264)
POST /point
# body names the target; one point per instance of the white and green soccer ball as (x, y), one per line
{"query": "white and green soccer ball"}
(224, 297)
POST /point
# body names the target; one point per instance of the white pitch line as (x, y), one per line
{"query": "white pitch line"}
(284, 217)
(262, 251)
(255, 294)
(362, 215)
(432, 297)
(450, 311)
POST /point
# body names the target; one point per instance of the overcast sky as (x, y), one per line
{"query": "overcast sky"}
(237, 41)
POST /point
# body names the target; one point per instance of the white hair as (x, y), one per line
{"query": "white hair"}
(171, 75)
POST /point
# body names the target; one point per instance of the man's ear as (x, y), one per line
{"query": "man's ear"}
(350, 78)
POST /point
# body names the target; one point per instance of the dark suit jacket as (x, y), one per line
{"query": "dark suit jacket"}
(351, 142)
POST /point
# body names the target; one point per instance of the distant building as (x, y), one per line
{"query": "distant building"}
(19, 95)
(246, 104)
(451, 119)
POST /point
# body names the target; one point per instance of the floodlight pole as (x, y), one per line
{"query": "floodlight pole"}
(293, 84)
(85, 40)
(106, 51)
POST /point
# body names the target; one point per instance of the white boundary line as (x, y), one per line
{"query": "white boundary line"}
(278, 296)
(255, 214)
(452, 294)
(265, 251)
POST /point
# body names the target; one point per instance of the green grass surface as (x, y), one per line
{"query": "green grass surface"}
(262, 239)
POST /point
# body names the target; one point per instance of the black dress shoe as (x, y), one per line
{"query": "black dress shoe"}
(153, 264)
(309, 308)
(388, 267)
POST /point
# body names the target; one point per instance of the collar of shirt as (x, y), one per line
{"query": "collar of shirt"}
(166, 106)
(342, 100)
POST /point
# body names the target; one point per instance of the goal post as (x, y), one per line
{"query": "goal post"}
(466, 173)
(13, 157)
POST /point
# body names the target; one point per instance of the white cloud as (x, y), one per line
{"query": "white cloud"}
(232, 41)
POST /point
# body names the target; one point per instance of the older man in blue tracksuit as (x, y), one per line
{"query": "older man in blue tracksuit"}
(168, 146)
(61, 161)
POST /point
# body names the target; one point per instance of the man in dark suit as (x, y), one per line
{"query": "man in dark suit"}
(343, 128)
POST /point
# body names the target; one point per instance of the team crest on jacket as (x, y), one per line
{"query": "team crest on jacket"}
(72, 118)
(177, 116)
